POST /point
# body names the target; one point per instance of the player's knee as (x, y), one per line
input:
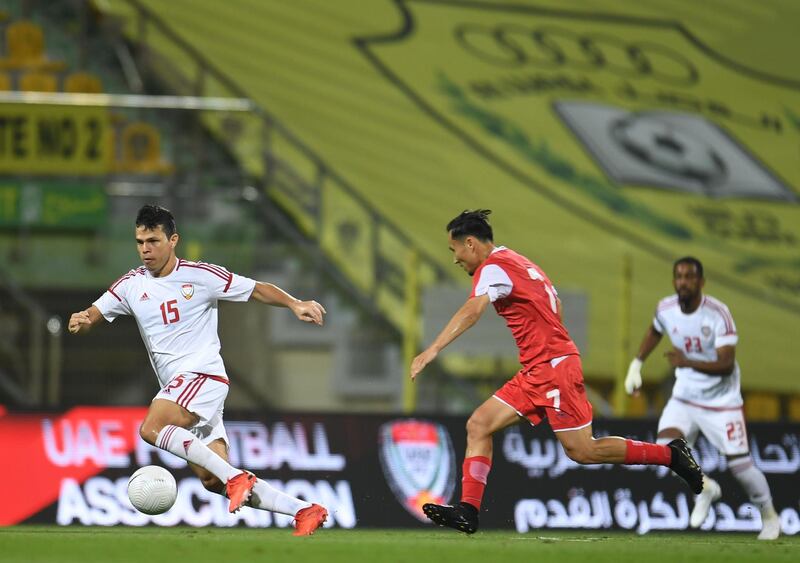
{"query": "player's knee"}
(579, 453)
(149, 431)
(477, 426)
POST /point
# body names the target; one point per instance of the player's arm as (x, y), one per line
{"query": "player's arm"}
(651, 339)
(270, 294)
(465, 317)
(633, 380)
(83, 321)
(723, 365)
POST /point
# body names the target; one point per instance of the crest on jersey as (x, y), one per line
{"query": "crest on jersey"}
(187, 290)
(706, 330)
(418, 463)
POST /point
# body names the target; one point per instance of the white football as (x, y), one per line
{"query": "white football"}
(152, 490)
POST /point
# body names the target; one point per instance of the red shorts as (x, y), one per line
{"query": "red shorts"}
(552, 390)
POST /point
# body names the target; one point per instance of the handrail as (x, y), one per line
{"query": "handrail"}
(128, 101)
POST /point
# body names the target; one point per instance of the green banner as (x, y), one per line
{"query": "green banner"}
(52, 205)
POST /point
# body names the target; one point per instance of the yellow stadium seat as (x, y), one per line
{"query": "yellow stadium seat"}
(25, 49)
(141, 150)
(762, 406)
(794, 408)
(83, 83)
(5, 82)
(38, 82)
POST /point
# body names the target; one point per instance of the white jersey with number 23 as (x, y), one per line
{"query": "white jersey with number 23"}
(698, 335)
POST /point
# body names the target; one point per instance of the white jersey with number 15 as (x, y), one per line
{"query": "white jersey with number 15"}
(177, 314)
(698, 335)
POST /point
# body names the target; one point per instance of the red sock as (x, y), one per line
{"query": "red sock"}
(645, 453)
(475, 472)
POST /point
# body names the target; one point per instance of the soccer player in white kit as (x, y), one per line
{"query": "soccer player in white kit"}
(706, 396)
(174, 302)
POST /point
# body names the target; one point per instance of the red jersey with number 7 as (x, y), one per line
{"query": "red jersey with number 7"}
(522, 294)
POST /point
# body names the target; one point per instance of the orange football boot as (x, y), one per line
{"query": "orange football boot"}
(239, 489)
(307, 520)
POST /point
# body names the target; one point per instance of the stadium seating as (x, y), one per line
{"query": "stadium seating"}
(141, 150)
(793, 408)
(37, 81)
(83, 83)
(761, 406)
(25, 49)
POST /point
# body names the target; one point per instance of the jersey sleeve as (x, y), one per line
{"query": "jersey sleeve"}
(114, 302)
(228, 286)
(658, 323)
(241, 289)
(725, 329)
(494, 282)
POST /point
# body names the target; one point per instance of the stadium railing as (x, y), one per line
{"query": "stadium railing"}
(30, 348)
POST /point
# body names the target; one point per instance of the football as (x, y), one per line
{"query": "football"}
(152, 490)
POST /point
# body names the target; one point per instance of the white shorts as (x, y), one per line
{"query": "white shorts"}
(724, 427)
(203, 395)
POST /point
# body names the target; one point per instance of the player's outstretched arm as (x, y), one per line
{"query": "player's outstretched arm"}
(307, 311)
(465, 317)
(83, 321)
(633, 380)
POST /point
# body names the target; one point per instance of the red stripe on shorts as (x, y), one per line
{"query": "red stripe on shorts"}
(190, 391)
(187, 390)
(196, 390)
(214, 377)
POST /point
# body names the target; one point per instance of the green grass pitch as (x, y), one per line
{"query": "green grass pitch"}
(34, 544)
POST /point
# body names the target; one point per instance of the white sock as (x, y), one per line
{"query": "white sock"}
(185, 445)
(753, 481)
(269, 498)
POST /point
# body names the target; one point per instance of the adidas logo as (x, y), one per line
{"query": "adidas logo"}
(186, 444)
(144, 297)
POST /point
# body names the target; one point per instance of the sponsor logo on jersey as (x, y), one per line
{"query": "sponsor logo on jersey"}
(144, 297)
(418, 463)
(187, 290)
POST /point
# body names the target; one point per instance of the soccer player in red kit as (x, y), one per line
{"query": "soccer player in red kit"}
(550, 383)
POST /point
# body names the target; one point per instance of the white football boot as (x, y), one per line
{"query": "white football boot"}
(770, 523)
(702, 504)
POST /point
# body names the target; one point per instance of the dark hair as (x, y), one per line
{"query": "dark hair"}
(474, 223)
(689, 260)
(151, 216)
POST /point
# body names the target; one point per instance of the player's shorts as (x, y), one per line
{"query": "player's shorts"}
(723, 427)
(552, 390)
(203, 395)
